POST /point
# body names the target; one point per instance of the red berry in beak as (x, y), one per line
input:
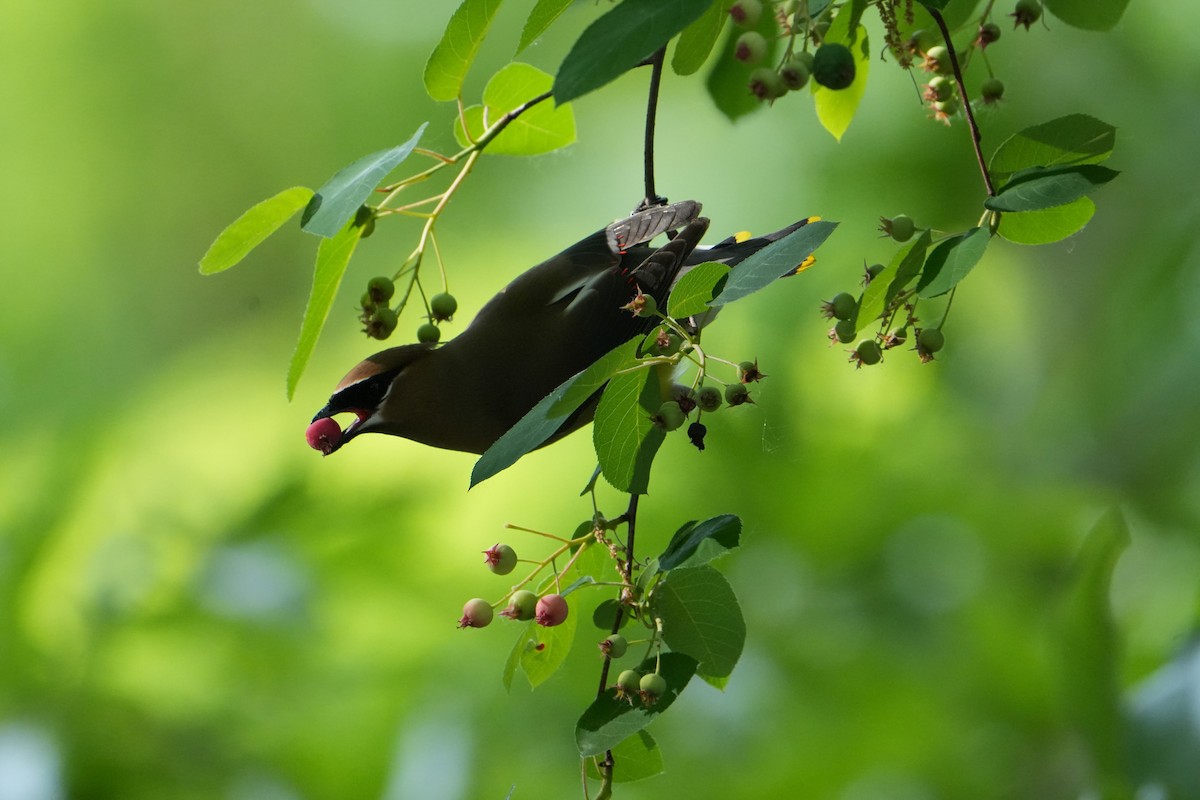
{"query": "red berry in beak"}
(324, 435)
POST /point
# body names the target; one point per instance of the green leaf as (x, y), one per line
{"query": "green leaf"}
(343, 194)
(447, 66)
(519, 647)
(609, 720)
(635, 758)
(1090, 15)
(701, 618)
(1049, 224)
(698, 543)
(625, 438)
(1090, 647)
(773, 261)
(694, 291)
(951, 260)
(544, 419)
(1041, 187)
(836, 108)
(541, 129)
(620, 40)
(728, 81)
(549, 649)
(252, 228)
(540, 19)
(332, 257)
(1073, 139)
(698, 39)
(905, 266)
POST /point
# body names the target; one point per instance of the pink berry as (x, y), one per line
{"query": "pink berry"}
(477, 613)
(551, 610)
(324, 435)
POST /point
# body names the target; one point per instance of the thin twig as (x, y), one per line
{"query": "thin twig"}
(966, 101)
(656, 68)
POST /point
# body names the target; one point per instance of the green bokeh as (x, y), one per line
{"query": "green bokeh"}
(194, 604)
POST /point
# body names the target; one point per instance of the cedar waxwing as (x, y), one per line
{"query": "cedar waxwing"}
(550, 323)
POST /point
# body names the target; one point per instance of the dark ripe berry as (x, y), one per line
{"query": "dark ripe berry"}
(709, 399)
(696, 433)
(750, 48)
(429, 333)
(684, 396)
(765, 84)
(748, 372)
(939, 88)
(833, 66)
(552, 609)
(868, 352)
(382, 323)
(477, 613)
(363, 215)
(381, 289)
(931, 340)
(899, 227)
(988, 33)
(652, 686)
(844, 331)
(736, 394)
(937, 59)
(1026, 13)
(629, 682)
(443, 306)
(669, 416)
(521, 606)
(794, 74)
(614, 646)
(500, 558)
(324, 434)
(843, 306)
(746, 13)
(992, 90)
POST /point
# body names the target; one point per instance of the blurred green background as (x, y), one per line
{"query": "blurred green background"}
(194, 605)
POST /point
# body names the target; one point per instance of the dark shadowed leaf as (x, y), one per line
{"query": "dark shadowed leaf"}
(700, 542)
(951, 260)
(773, 261)
(1047, 187)
(1066, 141)
(609, 720)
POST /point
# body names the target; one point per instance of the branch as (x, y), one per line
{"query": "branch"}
(966, 101)
(656, 68)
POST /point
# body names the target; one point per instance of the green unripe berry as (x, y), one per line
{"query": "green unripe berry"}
(921, 40)
(845, 331)
(1027, 12)
(992, 90)
(748, 372)
(937, 59)
(477, 613)
(500, 558)
(522, 606)
(669, 416)
(833, 66)
(429, 333)
(363, 215)
(644, 306)
(765, 84)
(736, 394)
(684, 396)
(843, 306)
(750, 48)
(629, 681)
(931, 340)
(382, 323)
(868, 352)
(652, 686)
(709, 399)
(614, 646)
(380, 289)
(746, 13)
(939, 88)
(794, 74)
(900, 227)
(988, 32)
(874, 270)
(805, 58)
(949, 106)
(367, 302)
(443, 306)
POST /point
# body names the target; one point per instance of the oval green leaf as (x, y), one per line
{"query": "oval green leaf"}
(697, 543)
(951, 260)
(904, 266)
(635, 758)
(447, 66)
(548, 650)
(1073, 139)
(626, 440)
(701, 618)
(252, 228)
(610, 720)
(540, 129)
(620, 40)
(1090, 15)
(698, 39)
(342, 195)
(540, 19)
(1049, 224)
(694, 291)
(1038, 188)
(774, 261)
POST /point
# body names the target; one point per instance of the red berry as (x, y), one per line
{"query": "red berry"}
(324, 434)
(552, 609)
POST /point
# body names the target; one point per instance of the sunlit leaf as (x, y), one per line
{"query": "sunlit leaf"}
(549, 649)
(540, 129)
(540, 19)
(1038, 188)
(701, 618)
(609, 720)
(447, 66)
(773, 261)
(332, 257)
(1047, 225)
(698, 39)
(1070, 140)
(836, 108)
(624, 37)
(342, 195)
(252, 228)
(904, 266)
(1091, 15)
(544, 419)
(694, 291)
(951, 260)
(635, 758)
(698, 543)
(625, 438)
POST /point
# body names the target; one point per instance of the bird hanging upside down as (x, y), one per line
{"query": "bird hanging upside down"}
(550, 323)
